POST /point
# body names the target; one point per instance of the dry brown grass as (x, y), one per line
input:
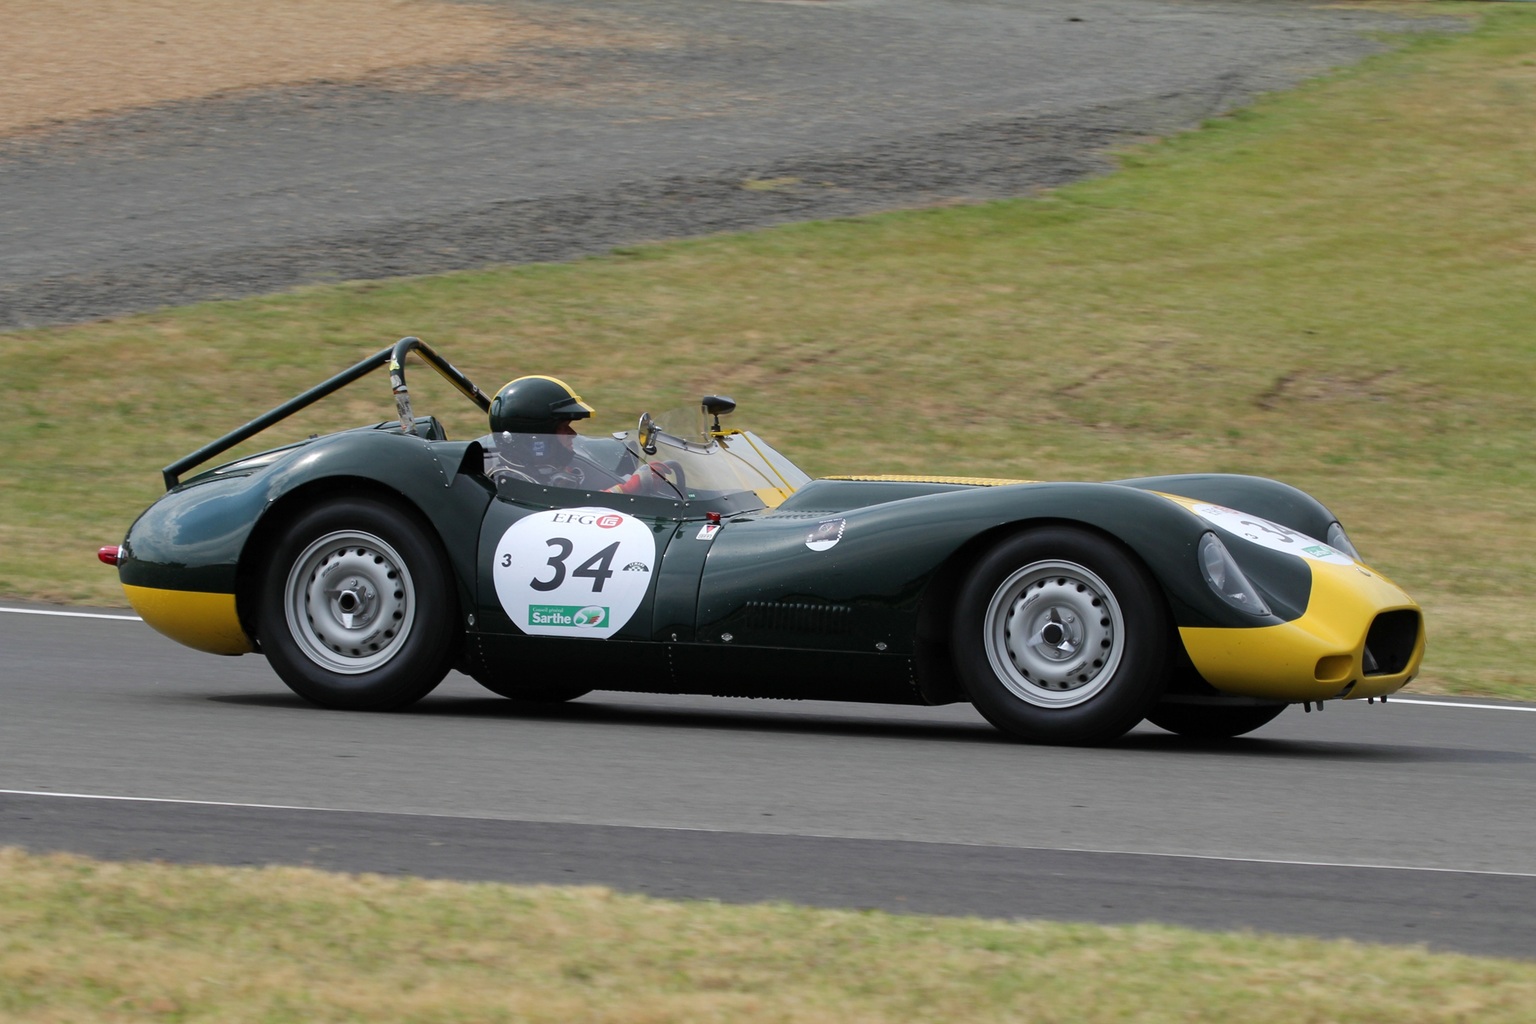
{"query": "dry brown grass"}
(87, 941)
(70, 59)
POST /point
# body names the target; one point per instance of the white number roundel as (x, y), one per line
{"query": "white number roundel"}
(1271, 535)
(579, 572)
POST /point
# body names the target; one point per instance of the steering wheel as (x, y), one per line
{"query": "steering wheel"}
(664, 478)
(675, 478)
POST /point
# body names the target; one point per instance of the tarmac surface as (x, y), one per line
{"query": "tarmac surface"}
(1395, 823)
(716, 115)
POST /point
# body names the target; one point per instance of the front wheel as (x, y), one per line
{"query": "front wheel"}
(1213, 721)
(357, 608)
(1061, 636)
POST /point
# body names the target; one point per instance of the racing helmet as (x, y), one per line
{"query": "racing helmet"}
(536, 405)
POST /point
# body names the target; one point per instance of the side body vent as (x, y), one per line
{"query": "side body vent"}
(797, 617)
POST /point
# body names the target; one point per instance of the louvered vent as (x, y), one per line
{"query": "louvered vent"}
(798, 617)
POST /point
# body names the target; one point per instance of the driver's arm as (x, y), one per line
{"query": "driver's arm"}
(644, 479)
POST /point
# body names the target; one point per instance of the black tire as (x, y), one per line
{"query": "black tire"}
(357, 609)
(1213, 721)
(1062, 636)
(551, 693)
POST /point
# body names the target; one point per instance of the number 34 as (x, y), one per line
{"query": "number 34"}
(598, 568)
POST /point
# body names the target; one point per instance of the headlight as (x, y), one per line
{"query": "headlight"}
(1222, 573)
(1339, 539)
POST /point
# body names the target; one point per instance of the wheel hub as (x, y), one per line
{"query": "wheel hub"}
(357, 605)
(1054, 633)
(348, 604)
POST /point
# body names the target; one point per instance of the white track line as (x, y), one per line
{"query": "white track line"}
(790, 835)
(70, 615)
(1451, 704)
(208, 803)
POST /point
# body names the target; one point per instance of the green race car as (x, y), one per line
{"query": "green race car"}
(685, 557)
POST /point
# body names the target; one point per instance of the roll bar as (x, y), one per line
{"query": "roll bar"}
(394, 355)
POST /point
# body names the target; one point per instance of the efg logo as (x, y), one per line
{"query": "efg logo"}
(571, 615)
(606, 521)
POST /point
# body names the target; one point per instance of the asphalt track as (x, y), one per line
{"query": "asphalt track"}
(1405, 823)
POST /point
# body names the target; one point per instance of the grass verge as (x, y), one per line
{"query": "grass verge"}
(1335, 287)
(88, 941)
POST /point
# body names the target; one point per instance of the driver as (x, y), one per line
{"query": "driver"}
(532, 440)
(531, 434)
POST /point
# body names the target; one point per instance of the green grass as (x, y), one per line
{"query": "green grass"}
(82, 941)
(1336, 287)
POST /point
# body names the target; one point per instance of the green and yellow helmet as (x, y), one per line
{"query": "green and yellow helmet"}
(536, 405)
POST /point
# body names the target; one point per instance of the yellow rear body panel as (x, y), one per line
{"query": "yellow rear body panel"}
(204, 622)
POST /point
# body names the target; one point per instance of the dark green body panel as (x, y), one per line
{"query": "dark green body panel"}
(1276, 501)
(763, 585)
(197, 536)
(191, 539)
(755, 611)
(656, 649)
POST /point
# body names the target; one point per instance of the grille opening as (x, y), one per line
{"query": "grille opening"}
(1390, 642)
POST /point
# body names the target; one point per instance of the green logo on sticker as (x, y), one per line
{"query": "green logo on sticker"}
(569, 615)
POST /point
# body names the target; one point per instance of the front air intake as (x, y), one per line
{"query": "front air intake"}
(1390, 643)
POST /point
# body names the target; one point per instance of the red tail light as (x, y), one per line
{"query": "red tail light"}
(109, 554)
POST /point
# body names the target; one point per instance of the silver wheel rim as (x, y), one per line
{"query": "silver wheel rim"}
(350, 602)
(1054, 634)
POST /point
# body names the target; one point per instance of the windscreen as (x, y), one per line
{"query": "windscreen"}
(678, 457)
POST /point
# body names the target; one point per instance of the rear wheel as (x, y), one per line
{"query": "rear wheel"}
(1213, 721)
(357, 608)
(1061, 636)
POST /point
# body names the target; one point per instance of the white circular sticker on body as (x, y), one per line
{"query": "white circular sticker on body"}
(1271, 535)
(579, 572)
(826, 535)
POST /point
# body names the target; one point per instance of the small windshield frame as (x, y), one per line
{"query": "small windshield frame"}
(692, 471)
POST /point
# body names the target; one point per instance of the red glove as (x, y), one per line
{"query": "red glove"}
(640, 479)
